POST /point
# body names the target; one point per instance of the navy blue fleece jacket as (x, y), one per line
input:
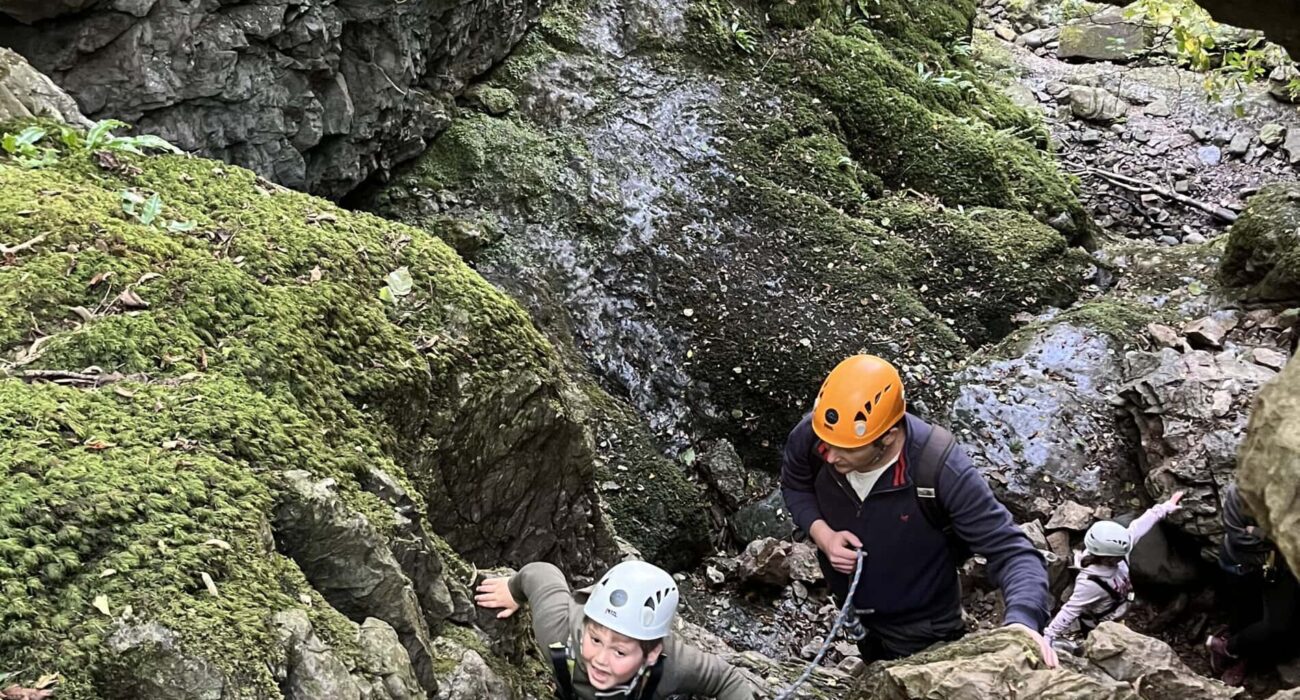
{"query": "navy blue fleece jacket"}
(909, 573)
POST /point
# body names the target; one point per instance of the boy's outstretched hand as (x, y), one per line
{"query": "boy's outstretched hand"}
(494, 593)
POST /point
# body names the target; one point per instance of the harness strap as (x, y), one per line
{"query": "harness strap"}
(1116, 600)
(563, 673)
(651, 683)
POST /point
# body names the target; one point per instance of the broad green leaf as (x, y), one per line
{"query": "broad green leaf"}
(101, 604)
(100, 131)
(386, 294)
(181, 226)
(30, 135)
(156, 143)
(152, 208)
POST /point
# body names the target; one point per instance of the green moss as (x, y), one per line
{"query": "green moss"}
(264, 347)
(132, 493)
(652, 504)
(530, 679)
(1263, 250)
(981, 267)
(477, 157)
(961, 145)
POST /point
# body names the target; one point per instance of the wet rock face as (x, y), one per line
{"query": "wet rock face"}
(1191, 410)
(1041, 426)
(316, 96)
(1270, 461)
(677, 219)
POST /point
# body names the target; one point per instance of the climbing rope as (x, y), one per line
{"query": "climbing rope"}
(830, 638)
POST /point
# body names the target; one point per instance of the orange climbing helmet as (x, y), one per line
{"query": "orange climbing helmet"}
(860, 400)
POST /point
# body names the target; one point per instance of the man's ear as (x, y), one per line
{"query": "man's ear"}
(652, 657)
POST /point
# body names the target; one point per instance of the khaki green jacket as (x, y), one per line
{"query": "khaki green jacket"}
(558, 619)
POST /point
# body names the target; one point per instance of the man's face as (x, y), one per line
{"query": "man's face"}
(860, 459)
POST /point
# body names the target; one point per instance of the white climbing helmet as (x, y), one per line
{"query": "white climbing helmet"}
(635, 599)
(1107, 538)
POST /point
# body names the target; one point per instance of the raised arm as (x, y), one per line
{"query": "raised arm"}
(986, 525)
(543, 588)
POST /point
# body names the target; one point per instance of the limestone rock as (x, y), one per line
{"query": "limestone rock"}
(1267, 357)
(316, 97)
(778, 562)
(765, 518)
(1158, 108)
(1164, 336)
(1071, 516)
(469, 676)
(1096, 104)
(26, 93)
(385, 664)
(413, 548)
(312, 668)
(1292, 146)
(1041, 37)
(1271, 134)
(155, 666)
(1149, 664)
(725, 472)
(1104, 36)
(1207, 333)
(1191, 411)
(1270, 461)
(349, 562)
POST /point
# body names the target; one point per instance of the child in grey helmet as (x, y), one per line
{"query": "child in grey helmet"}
(1103, 590)
(619, 643)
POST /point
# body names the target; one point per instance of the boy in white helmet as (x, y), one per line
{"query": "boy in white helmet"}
(619, 644)
(1103, 589)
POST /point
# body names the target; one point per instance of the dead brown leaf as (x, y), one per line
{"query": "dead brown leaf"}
(130, 300)
(83, 313)
(316, 274)
(124, 393)
(15, 692)
(97, 445)
(100, 277)
(146, 277)
(46, 681)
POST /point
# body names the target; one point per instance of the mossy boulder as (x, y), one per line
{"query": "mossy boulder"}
(166, 368)
(1263, 252)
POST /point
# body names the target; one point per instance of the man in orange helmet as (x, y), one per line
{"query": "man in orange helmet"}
(861, 473)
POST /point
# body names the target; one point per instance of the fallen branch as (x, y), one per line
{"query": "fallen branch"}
(6, 250)
(59, 376)
(1220, 214)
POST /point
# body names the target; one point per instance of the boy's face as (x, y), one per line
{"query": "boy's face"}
(612, 659)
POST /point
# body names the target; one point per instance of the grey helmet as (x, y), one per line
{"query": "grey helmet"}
(1107, 538)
